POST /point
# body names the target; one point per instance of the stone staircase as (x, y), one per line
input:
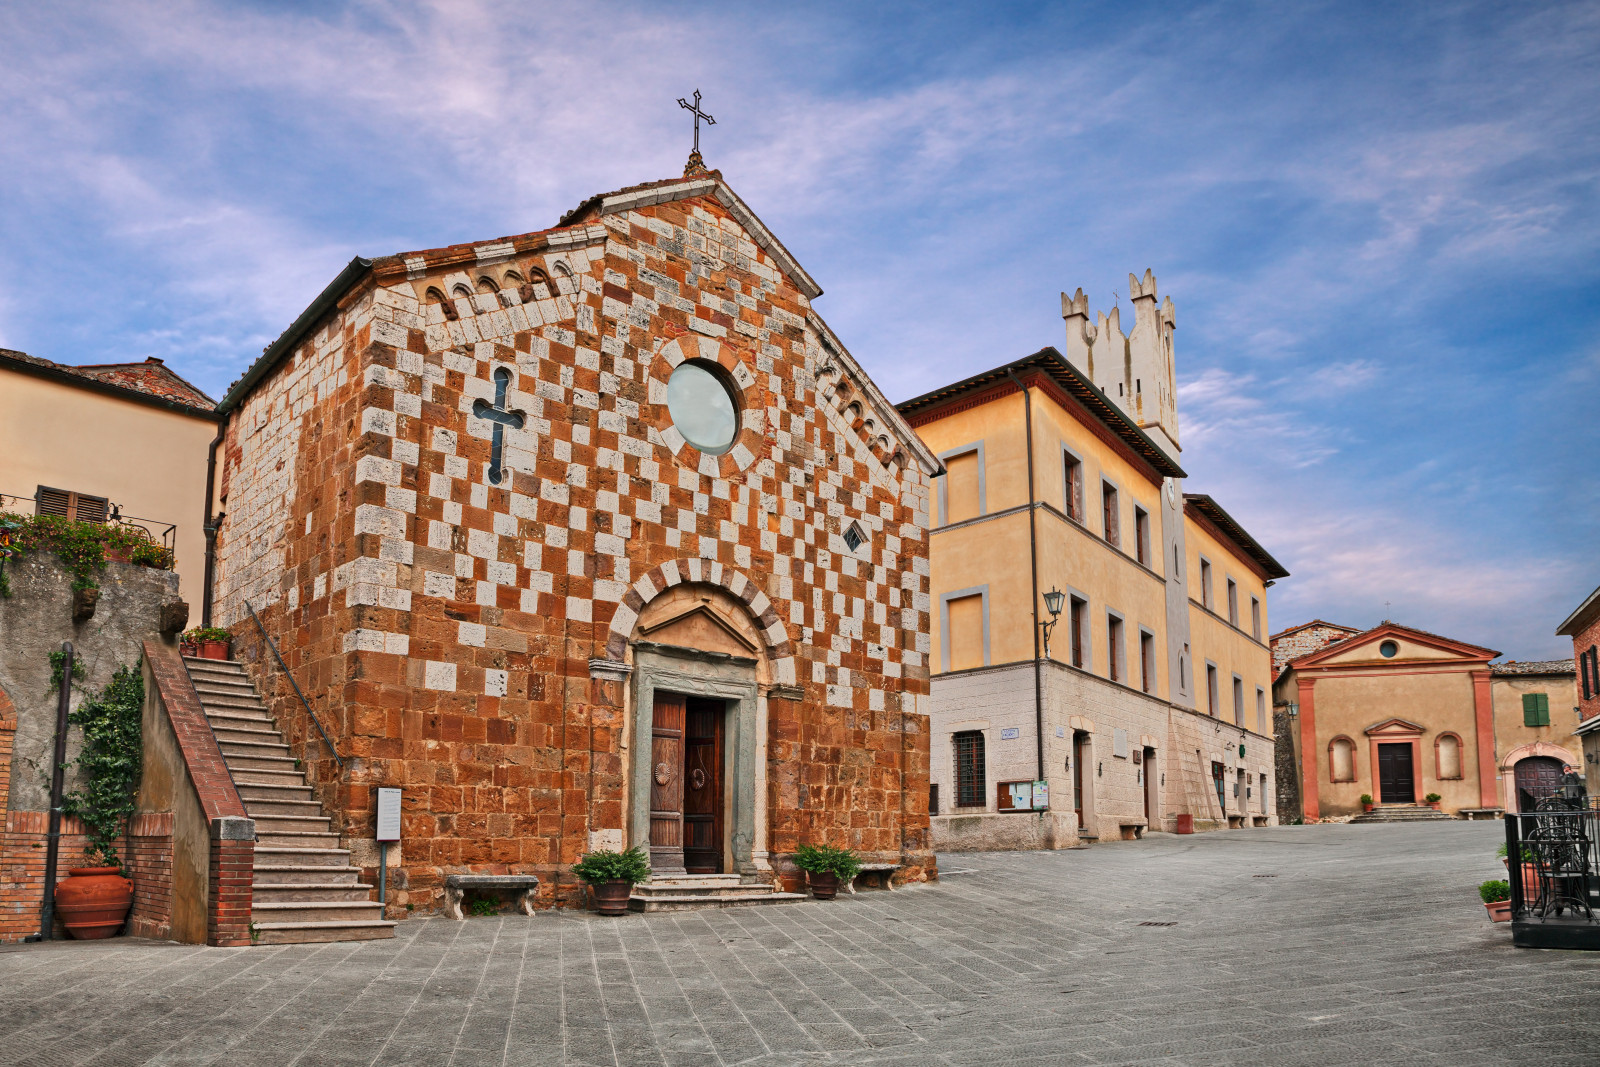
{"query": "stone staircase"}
(687, 892)
(1402, 813)
(304, 886)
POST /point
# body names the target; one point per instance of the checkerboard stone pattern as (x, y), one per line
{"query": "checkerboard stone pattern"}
(443, 623)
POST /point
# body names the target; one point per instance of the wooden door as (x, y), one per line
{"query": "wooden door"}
(1395, 782)
(1079, 754)
(666, 781)
(1537, 777)
(702, 780)
(1150, 783)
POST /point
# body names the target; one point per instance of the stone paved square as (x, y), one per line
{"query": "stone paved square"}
(1291, 945)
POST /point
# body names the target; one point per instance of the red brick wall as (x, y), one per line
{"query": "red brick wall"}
(23, 845)
(1582, 642)
(148, 861)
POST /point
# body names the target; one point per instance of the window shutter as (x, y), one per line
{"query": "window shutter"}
(55, 502)
(1535, 709)
(68, 505)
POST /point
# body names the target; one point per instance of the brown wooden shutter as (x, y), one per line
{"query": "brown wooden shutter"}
(65, 504)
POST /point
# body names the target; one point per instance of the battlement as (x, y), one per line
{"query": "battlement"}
(1136, 369)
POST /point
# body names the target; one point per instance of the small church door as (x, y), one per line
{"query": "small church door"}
(1395, 782)
(702, 779)
(666, 781)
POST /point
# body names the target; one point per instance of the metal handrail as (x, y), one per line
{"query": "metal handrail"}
(276, 655)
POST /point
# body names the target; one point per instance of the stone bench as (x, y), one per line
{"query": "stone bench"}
(883, 872)
(455, 885)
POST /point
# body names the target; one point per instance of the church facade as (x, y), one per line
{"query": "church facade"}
(587, 538)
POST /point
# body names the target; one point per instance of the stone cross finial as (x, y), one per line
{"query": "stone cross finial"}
(502, 417)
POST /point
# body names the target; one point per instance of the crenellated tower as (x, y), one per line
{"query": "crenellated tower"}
(1135, 370)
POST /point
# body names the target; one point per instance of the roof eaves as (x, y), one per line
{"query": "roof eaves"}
(1229, 525)
(59, 372)
(930, 462)
(1580, 619)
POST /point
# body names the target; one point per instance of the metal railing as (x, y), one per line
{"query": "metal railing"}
(1553, 857)
(153, 530)
(334, 752)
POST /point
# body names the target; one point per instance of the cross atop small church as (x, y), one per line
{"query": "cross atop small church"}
(502, 417)
(696, 164)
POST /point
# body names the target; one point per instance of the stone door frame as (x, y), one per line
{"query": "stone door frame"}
(706, 674)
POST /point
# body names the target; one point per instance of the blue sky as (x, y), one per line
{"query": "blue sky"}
(1379, 222)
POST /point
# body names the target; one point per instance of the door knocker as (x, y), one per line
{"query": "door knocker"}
(663, 774)
(697, 779)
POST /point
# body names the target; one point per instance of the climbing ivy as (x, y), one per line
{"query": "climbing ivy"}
(58, 660)
(110, 763)
(80, 546)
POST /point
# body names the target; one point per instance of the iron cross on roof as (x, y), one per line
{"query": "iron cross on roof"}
(694, 108)
(502, 417)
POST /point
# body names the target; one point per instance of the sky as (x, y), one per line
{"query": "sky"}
(1378, 222)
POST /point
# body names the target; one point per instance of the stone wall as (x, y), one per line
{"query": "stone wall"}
(443, 623)
(34, 621)
(1287, 729)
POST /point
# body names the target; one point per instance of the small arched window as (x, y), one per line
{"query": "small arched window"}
(1447, 749)
(1341, 760)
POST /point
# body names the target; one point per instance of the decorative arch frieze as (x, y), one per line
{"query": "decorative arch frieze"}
(774, 635)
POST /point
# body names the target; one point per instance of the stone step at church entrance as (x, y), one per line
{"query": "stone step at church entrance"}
(1402, 813)
(304, 887)
(687, 892)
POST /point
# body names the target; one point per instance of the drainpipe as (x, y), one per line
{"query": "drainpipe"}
(212, 522)
(47, 914)
(1033, 563)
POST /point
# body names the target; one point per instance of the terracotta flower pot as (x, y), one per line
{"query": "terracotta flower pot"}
(1366, 807)
(824, 884)
(1434, 804)
(1499, 911)
(611, 898)
(93, 901)
(213, 649)
(188, 648)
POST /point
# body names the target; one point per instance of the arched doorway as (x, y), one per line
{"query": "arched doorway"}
(1537, 777)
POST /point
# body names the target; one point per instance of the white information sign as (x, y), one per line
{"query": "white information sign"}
(1041, 796)
(388, 814)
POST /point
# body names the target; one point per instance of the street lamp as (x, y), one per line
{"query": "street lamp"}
(1052, 603)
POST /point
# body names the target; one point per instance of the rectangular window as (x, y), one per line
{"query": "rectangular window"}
(964, 622)
(1205, 583)
(1014, 796)
(1261, 710)
(1077, 619)
(1141, 535)
(62, 503)
(962, 499)
(933, 798)
(1238, 700)
(1147, 662)
(969, 768)
(1108, 504)
(1233, 603)
(1536, 709)
(1211, 689)
(1114, 667)
(1073, 486)
(1255, 618)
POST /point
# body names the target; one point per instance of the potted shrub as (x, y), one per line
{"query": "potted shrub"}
(1496, 894)
(1366, 801)
(1432, 800)
(208, 642)
(825, 867)
(1528, 871)
(612, 876)
(93, 901)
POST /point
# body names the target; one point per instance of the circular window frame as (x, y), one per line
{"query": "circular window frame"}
(750, 444)
(735, 397)
(1389, 649)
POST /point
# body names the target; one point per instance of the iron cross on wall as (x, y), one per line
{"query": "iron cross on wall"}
(502, 417)
(694, 108)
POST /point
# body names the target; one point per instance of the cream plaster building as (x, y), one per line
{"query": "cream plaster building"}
(1148, 708)
(104, 440)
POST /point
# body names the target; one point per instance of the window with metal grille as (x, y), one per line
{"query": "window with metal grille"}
(853, 537)
(970, 787)
(65, 504)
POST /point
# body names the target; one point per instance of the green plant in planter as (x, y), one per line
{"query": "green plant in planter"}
(1432, 798)
(206, 633)
(598, 868)
(80, 546)
(110, 762)
(826, 859)
(1495, 890)
(1366, 798)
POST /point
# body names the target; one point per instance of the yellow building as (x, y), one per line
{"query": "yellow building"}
(109, 442)
(1061, 518)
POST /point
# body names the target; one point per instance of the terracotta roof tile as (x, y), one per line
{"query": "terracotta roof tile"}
(151, 377)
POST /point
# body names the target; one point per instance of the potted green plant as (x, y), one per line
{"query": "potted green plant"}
(612, 876)
(93, 902)
(1528, 867)
(826, 867)
(1432, 800)
(1366, 801)
(208, 642)
(1496, 894)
